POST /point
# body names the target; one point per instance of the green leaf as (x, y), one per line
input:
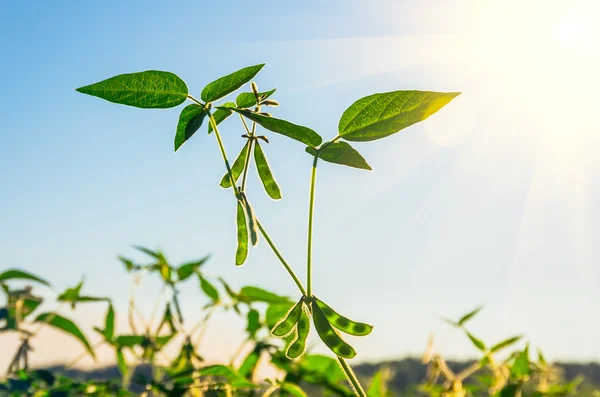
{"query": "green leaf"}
(149, 89)
(66, 326)
(378, 386)
(297, 132)
(255, 294)
(328, 335)
(340, 153)
(221, 114)
(208, 288)
(248, 99)
(264, 171)
(222, 370)
(342, 323)
(287, 323)
(520, 367)
(293, 389)
(242, 236)
(505, 343)
(379, 115)
(187, 269)
(109, 323)
(190, 120)
(131, 340)
(167, 319)
(253, 322)
(298, 347)
(13, 274)
(227, 84)
(237, 168)
(463, 320)
(477, 342)
(249, 364)
(541, 357)
(123, 368)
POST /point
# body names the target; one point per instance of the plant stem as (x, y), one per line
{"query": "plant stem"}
(260, 227)
(311, 206)
(281, 259)
(358, 390)
(248, 154)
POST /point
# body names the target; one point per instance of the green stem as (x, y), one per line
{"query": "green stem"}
(358, 390)
(311, 206)
(281, 259)
(260, 227)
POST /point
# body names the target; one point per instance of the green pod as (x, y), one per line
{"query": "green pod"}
(242, 236)
(342, 323)
(328, 335)
(297, 348)
(264, 171)
(286, 325)
(252, 222)
(237, 168)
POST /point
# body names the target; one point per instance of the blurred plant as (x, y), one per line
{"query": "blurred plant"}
(514, 376)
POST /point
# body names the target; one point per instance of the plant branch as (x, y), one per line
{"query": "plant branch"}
(311, 206)
(280, 257)
(358, 390)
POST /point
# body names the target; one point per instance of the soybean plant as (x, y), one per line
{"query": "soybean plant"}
(370, 118)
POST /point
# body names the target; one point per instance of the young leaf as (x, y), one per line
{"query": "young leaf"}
(187, 269)
(253, 322)
(297, 132)
(505, 343)
(477, 342)
(463, 320)
(297, 348)
(208, 288)
(521, 367)
(190, 120)
(264, 171)
(248, 99)
(293, 389)
(109, 323)
(255, 294)
(12, 274)
(286, 324)
(66, 326)
(237, 168)
(342, 323)
(227, 84)
(149, 89)
(242, 236)
(341, 153)
(221, 114)
(328, 335)
(380, 115)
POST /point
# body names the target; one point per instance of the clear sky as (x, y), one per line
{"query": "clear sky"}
(493, 201)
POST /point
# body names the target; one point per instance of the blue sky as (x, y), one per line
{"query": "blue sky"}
(493, 201)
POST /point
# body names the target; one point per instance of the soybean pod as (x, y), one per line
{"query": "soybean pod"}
(286, 325)
(328, 335)
(297, 348)
(265, 174)
(237, 168)
(252, 222)
(242, 236)
(342, 323)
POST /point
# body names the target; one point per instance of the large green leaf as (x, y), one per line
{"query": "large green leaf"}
(294, 131)
(227, 84)
(190, 120)
(221, 114)
(66, 326)
(255, 294)
(265, 173)
(248, 99)
(149, 89)
(379, 115)
(12, 274)
(341, 153)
